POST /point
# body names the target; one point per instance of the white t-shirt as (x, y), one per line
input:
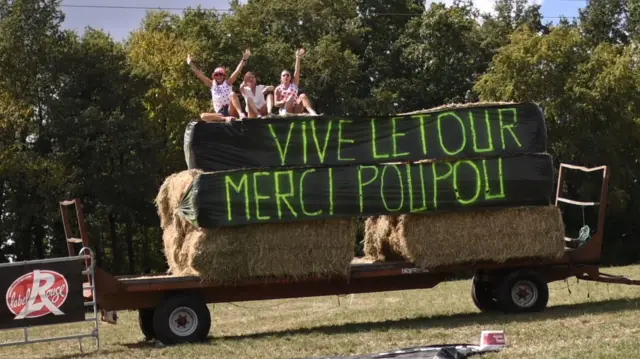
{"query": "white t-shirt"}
(258, 97)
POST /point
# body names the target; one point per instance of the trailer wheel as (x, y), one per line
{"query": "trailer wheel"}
(482, 295)
(181, 319)
(145, 320)
(523, 292)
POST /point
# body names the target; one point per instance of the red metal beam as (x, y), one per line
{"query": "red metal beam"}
(609, 278)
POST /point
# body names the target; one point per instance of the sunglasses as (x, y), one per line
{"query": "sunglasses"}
(218, 75)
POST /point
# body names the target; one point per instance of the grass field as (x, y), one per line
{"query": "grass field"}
(595, 320)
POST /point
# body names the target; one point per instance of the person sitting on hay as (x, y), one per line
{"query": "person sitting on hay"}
(226, 104)
(254, 96)
(286, 94)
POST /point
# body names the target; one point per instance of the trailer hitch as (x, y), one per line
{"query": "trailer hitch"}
(609, 278)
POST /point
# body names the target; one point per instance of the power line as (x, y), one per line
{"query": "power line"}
(136, 7)
(122, 7)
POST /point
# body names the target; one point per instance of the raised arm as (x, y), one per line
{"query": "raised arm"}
(296, 73)
(236, 73)
(207, 81)
(244, 89)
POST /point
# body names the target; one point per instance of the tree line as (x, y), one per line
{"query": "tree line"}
(83, 115)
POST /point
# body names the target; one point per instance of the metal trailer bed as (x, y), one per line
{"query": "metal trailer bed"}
(173, 309)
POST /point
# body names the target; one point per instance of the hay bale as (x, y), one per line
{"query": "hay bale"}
(370, 247)
(174, 226)
(387, 250)
(170, 195)
(172, 243)
(377, 245)
(298, 250)
(442, 239)
(455, 106)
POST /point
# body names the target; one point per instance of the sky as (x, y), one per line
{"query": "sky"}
(119, 22)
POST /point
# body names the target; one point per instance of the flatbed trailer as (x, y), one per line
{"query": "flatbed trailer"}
(173, 309)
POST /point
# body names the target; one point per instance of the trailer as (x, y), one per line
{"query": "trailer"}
(173, 309)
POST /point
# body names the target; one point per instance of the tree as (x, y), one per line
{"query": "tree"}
(331, 33)
(170, 99)
(31, 46)
(442, 50)
(590, 98)
(384, 23)
(106, 144)
(510, 15)
(607, 21)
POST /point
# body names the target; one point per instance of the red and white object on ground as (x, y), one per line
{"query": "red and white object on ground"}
(492, 340)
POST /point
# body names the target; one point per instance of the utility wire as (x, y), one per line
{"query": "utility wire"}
(123, 7)
(136, 7)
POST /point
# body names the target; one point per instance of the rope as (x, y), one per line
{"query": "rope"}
(584, 235)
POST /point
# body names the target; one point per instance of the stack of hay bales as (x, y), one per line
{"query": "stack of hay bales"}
(453, 238)
(324, 248)
(227, 255)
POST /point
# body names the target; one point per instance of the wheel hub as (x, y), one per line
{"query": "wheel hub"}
(183, 321)
(524, 294)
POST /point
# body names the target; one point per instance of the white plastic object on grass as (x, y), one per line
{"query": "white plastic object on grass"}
(492, 340)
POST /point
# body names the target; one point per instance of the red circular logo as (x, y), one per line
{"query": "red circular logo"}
(37, 293)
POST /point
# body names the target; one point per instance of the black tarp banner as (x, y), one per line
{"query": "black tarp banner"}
(230, 198)
(455, 133)
(41, 293)
(444, 351)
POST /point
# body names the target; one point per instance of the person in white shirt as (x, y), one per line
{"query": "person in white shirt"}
(254, 96)
(286, 94)
(226, 103)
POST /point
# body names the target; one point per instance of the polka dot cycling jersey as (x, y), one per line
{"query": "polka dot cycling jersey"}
(220, 95)
(286, 92)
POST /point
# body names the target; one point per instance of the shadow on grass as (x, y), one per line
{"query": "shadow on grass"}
(439, 321)
(90, 354)
(455, 320)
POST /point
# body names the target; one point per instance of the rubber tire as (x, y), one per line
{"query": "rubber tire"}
(162, 314)
(482, 295)
(508, 306)
(145, 320)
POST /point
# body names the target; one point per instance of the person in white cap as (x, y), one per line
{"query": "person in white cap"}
(226, 103)
(286, 94)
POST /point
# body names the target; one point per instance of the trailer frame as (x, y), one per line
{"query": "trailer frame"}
(163, 300)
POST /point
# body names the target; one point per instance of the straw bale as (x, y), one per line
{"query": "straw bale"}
(387, 250)
(170, 195)
(377, 246)
(441, 239)
(370, 248)
(296, 250)
(174, 226)
(172, 243)
(457, 106)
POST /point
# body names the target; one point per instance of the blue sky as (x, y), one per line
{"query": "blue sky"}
(120, 22)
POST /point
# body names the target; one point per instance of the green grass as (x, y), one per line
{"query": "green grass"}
(596, 320)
